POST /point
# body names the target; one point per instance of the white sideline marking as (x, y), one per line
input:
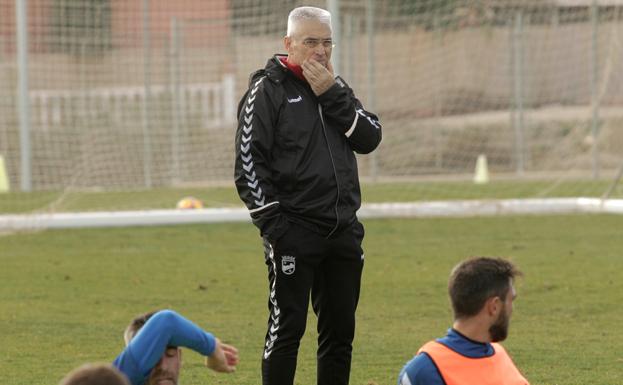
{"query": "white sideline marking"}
(467, 208)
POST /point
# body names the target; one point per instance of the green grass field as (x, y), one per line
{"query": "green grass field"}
(67, 295)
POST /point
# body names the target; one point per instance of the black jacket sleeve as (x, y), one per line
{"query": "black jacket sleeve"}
(252, 170)
(345, 111)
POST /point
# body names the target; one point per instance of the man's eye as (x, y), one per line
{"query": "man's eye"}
(171, 352)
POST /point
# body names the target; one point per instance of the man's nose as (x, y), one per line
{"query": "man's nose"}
(319, 49)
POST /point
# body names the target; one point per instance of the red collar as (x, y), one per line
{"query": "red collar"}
(296, 69)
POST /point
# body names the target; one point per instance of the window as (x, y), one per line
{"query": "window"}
(81, 27)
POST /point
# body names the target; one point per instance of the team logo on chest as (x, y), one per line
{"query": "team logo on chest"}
(288, 264)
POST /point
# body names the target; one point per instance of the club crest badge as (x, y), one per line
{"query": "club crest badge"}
(288, 264)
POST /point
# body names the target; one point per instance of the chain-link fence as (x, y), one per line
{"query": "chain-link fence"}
(126, 95)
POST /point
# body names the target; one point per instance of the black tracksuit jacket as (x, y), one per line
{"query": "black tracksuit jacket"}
(295, 158)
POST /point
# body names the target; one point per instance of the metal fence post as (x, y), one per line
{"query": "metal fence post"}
(336, 24)
(594, 89)
(518, 92)
(176, 99)
(371, 80)
(23, 99)
(146, 108)
(439, 87)
(349, 48)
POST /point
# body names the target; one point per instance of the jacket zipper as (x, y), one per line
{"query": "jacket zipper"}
(337, 182)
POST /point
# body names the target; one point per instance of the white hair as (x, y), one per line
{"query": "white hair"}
(305, 14)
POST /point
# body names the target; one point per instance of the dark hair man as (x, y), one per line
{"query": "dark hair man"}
(482, 294)
(153, 356)
(95, 374)
(296, 171)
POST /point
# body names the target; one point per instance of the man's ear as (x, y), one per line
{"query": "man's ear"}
(287, 42)
(494, 306)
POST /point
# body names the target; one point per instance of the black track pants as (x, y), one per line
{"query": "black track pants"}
(301, 262)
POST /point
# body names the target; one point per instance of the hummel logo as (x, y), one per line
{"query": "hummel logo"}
(269, 344)
(295, 100)
(257, 194)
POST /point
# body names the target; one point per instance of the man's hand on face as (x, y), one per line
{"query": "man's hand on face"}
(319, 78)
(223, 359)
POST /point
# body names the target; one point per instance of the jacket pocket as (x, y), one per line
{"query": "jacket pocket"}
(358, 232)
(286, 178)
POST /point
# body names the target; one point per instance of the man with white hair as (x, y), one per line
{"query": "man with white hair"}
(296, 171)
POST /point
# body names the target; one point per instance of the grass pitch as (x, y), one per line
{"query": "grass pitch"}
(67, 295)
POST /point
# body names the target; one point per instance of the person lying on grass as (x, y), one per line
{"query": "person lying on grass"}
(153, 352)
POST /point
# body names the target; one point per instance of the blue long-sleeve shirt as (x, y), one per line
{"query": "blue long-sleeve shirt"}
(421, 370)
(164, 328)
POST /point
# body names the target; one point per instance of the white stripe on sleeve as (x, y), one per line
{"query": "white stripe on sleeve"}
(263, 207)
(405, 379)
(352, 127)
